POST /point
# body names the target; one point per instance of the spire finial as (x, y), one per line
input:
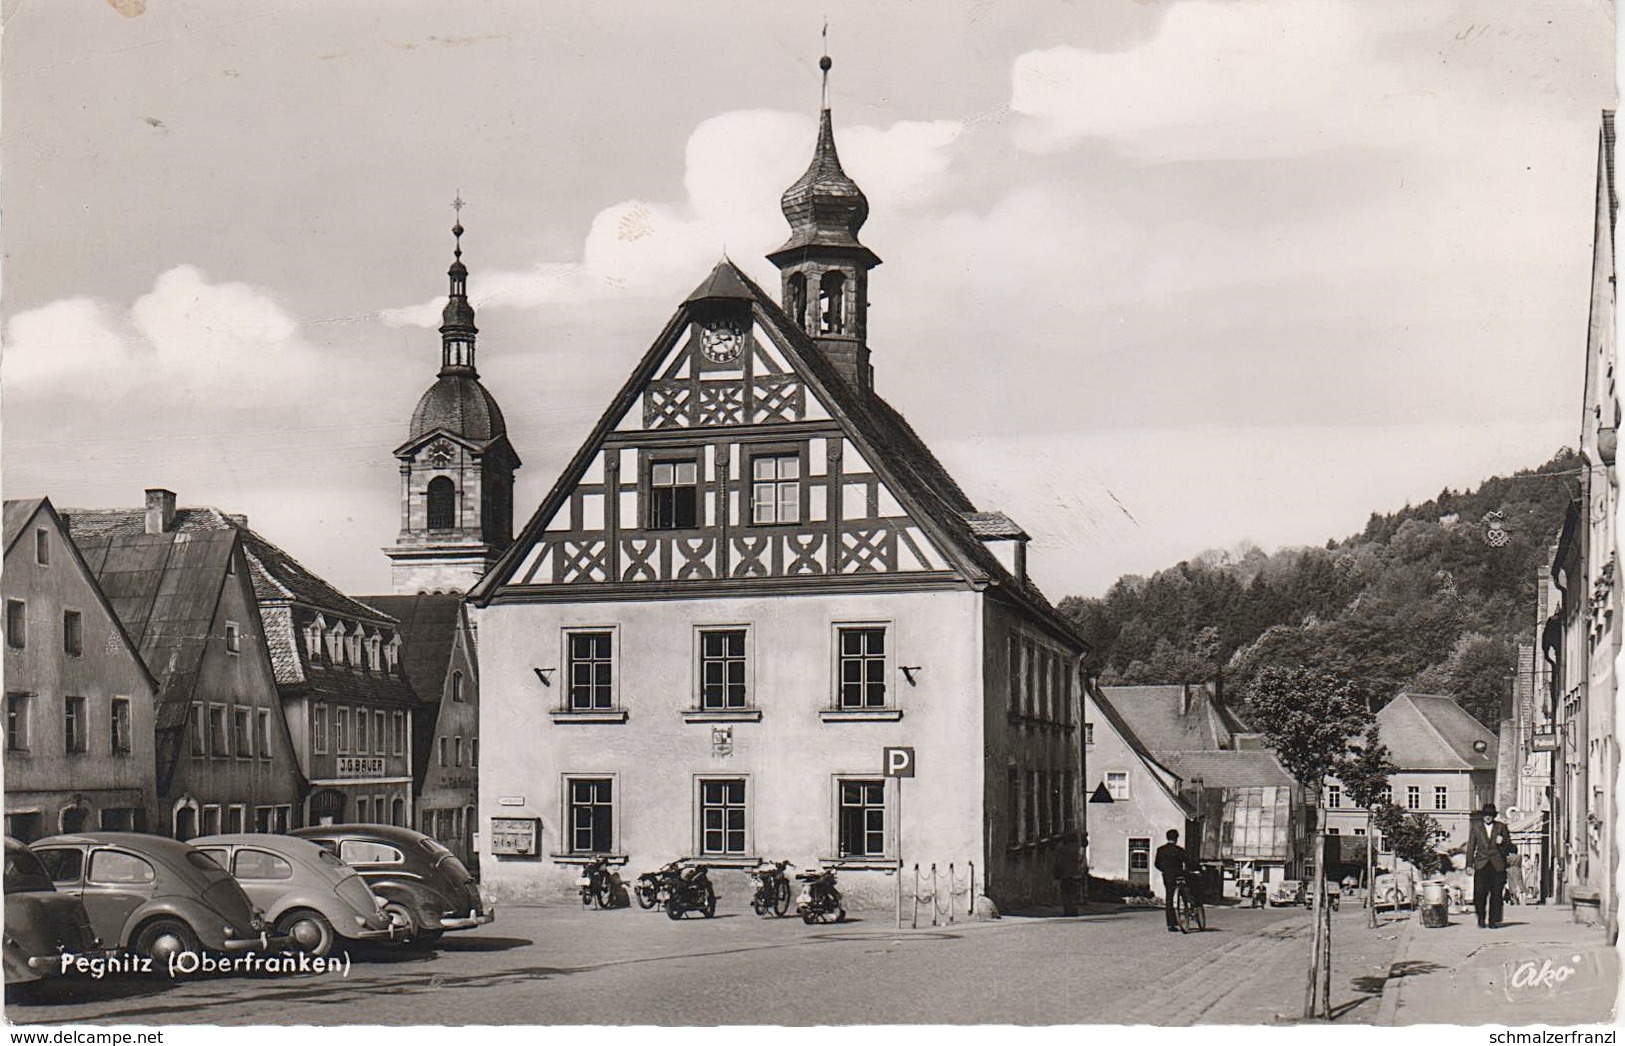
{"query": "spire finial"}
(824, 63)
(457, 205)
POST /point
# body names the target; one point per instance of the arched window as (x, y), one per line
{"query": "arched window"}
(831, 303)
(796, 301)
(442, 504)
(456, 686)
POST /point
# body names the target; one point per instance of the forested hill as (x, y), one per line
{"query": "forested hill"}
(1432, 599)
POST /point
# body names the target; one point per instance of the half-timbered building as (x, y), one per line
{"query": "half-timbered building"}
(750, 580)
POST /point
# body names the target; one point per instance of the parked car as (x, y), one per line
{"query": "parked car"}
(153, 896)
(423, 884)
(1393, 891)
(305, 892)
(1287, 892)
(41, 924)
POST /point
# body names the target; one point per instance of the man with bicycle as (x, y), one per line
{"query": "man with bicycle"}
(1174, 864)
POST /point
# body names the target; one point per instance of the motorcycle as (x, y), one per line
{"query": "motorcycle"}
(691, 891)
(772, 895)
(653, 888)
(599, 884)
(819, 898)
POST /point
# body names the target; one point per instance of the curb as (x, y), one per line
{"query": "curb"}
(1391, 985)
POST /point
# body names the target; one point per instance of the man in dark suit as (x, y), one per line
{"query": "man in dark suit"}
(1488, 843)
(1172, 861)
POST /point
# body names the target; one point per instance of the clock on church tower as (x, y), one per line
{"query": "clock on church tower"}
(456, 465)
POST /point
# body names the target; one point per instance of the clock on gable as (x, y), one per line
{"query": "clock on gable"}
(440, 454)
(722, 340)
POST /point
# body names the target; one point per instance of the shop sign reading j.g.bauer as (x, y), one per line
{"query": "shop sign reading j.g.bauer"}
(360, 766)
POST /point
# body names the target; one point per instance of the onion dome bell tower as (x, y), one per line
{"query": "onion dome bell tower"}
(456, 465)
(825, 269)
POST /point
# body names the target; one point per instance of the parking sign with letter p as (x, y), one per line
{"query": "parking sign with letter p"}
(898, 762)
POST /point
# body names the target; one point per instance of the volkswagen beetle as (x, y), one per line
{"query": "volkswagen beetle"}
(305, 892)
(153, 896)
(42, 925)
(423, 884)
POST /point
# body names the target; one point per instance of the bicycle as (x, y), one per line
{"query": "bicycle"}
(1188, 910)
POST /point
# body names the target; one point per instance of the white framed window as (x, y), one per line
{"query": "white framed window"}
(379, 729)
(42, 547)
(590, 813)
(234, 641)
(673, 493)
(724, 816)
(219, 736)
(361, 731)
(199, 731)
(341, 731)
(17, 722)
(723, 681)
(119, 731)
(397, 739)
(1088, 735)
(211, 819)
(73, 633)
(318, 728)
(1117, 784)
(457, 687)
(457, 751)
(262, 721)
(1413, 797)
(1441, 797)
(861, 818)
(590, 677)
(775, 488)
(16, 624)
(861, 667)
(242, 737)
(75, 724)
(1334, 797)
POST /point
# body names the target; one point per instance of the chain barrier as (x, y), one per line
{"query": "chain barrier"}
(945, 887)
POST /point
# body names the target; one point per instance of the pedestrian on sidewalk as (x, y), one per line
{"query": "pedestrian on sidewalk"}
(1515, 887)
(1488, 843)
(1173, 863)
(1067, 870)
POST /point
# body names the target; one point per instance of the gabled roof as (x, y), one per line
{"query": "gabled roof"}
(1245, 769)
(428, 631)
(1167, 720)
(1433, 732)
(278, 577)
(165, 589)
(18, 513)
(1160, 773)
(891, 446)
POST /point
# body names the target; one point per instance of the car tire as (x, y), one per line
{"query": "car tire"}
(311, 932)
(162, 938)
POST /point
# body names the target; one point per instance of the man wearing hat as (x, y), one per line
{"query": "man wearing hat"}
(1487, 845)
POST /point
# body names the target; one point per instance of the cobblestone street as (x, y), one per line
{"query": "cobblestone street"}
(562, 965)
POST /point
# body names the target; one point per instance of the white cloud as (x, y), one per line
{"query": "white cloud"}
(187, 343)
(737, 164)
(1243, 80)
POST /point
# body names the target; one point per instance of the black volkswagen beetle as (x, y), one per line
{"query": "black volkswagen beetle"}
(42, 925)
(422, 883)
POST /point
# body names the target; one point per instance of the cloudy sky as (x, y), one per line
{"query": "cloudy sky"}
(1161, 275)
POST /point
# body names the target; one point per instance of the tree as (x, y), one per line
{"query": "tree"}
(1410, 836)
(1309, 718)
(1364, 774)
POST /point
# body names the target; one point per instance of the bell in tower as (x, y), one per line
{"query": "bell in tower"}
(825, 269)
(456, 465)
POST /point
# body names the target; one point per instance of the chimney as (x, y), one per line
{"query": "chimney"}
(160, 510)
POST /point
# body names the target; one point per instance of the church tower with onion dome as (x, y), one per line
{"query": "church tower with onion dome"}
(456, 465)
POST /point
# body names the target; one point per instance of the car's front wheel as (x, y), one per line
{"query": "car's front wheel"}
(311, 932)
(161, 939)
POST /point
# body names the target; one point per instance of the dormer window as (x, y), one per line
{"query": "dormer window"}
(352, 649)
(392, 653)
(831, 303)
(374, 653)
(313, 640)
(335, 644)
